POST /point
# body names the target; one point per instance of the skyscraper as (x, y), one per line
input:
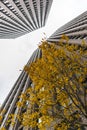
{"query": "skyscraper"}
(10, 104)
(76, 30)
(18, 17)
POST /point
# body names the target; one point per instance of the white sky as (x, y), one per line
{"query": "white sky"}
(14, 53)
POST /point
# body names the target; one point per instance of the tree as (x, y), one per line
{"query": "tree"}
(1, 118)
(58, 98)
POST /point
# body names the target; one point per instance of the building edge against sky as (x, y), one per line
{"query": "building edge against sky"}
(16, 19)
(9, 105)
(20, 17)
(23, 82)
(76, 30)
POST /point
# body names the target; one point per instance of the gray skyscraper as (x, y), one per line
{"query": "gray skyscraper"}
(76, 30)
(18, 17)
(10, 104)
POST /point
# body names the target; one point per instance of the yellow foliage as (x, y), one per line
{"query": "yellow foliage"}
(0, 117)
(2, 128)
(57, 99)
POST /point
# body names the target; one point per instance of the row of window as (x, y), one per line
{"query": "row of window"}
(9, 6)
(7, 13)
(76, 27)
(74, 23)
(78, 37)
(18, 4)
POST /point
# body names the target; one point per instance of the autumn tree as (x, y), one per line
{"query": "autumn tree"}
(1, 118)
(58, 96)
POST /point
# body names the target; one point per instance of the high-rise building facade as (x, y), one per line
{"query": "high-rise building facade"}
(19, 17)
(10, 104)
(76, 30)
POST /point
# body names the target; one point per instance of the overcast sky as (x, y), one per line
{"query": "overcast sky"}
(15, 53)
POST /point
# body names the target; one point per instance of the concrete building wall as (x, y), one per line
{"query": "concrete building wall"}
(10, 104)
(18, 17)
(76, 30)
